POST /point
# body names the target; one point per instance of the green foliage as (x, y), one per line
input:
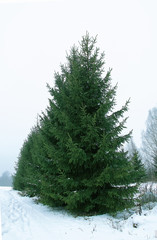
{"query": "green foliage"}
(28, 172)
(136, 163)
(140, 173)
(83, 166)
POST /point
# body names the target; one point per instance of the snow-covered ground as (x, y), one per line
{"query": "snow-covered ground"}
(22, 219)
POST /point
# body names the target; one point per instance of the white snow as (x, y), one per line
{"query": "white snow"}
(22, 219)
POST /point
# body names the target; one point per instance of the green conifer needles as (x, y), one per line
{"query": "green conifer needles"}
(83, 164)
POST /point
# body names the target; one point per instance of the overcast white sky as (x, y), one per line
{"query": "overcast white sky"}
(34, 38)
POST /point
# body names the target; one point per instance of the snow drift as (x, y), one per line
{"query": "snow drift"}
(22, 218)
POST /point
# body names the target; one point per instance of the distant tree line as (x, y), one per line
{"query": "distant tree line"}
(149, 145)
(6, 179)
(75, 157)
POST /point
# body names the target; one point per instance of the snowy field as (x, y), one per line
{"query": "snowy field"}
(22, 219)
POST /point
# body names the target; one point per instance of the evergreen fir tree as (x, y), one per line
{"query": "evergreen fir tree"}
(19, 179)
(136, 161)
(28, 172)
(87, 169)
(138, 166)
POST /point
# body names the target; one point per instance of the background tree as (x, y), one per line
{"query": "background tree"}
(6, 179)
(136, 162)
(28, 171)
(149, 143)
